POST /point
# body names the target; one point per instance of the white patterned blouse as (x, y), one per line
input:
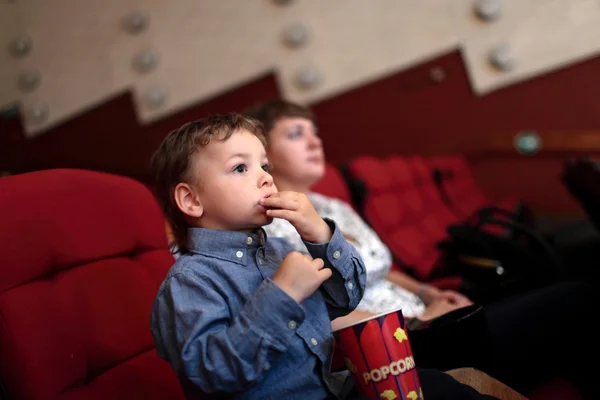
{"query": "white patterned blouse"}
(381, 295)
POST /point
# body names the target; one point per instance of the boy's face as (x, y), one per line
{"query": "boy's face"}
(232, 179)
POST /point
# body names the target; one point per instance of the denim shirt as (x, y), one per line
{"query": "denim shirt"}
(228, 329)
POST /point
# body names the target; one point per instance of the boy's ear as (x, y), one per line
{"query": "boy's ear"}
(188, 200)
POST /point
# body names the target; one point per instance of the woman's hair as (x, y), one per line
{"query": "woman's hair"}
(170, 164)
(271, 111)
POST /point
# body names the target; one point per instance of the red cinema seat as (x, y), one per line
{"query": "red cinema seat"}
(395, 209)
(432, 204)
(455, 182)
(83, 254)
(333, 184)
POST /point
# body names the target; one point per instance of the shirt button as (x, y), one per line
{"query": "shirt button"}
(267, 366)
(292, 324)
(239, 254)
(259, 261)
(249, 240)
(350, 285)
(314, 341)
(336, 254)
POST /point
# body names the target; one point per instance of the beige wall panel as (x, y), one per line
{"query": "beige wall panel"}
(206, 48)
(354, 41)
(512, 13)
(9, 66)
(557, 33)
(72, 42)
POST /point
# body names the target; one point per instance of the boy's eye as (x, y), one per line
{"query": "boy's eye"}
(240, 168)
(267, 167)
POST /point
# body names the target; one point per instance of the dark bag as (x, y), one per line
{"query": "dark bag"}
(460, 338)
(582, 179)
(493, 265)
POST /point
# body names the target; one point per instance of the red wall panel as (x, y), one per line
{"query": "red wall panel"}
(405, 113)
(409, 113)
(109, 137)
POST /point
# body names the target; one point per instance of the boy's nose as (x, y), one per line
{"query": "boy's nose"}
(265, 179)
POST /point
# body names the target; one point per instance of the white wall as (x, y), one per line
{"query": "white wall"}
(206, 47)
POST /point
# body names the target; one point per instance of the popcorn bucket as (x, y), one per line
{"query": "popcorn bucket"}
(378, 355)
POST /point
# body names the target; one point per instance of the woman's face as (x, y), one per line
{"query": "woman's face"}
(295, 152)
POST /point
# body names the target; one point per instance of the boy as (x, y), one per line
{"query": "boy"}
(240, 315)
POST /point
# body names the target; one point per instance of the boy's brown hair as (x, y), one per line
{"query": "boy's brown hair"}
(170, 164)
(271, 111)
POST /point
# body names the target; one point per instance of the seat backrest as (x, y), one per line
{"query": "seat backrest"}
(83, 254)
(459, 184)
(462, 193)
(394, 207)
(430, 192)
(333, 184)
(432, 210)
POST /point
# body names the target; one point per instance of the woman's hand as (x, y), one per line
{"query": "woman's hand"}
(438, 307)
(431, 294)
(455, 298)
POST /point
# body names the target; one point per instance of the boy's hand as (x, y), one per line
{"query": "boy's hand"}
(299, 275)
(299, 211)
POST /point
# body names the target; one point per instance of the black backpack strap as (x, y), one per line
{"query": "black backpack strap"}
(438, 177)
(554, 260)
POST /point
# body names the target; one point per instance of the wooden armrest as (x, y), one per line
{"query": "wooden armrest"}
(485, 384)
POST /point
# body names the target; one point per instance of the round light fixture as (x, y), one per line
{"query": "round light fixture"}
(20, 46)
(437, 74)
(37, 112)
(308, 77)
(488, 10)
(502, 57)
(295, 36)
(136, 22)
(145, 61)
(29, 80)
(154, 97)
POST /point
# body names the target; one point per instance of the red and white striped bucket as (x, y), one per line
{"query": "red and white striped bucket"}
(378, 354)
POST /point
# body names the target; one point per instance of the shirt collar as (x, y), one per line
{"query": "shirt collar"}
(226, 245)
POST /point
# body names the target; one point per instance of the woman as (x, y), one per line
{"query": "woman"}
(523, 329)
(295, 152)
